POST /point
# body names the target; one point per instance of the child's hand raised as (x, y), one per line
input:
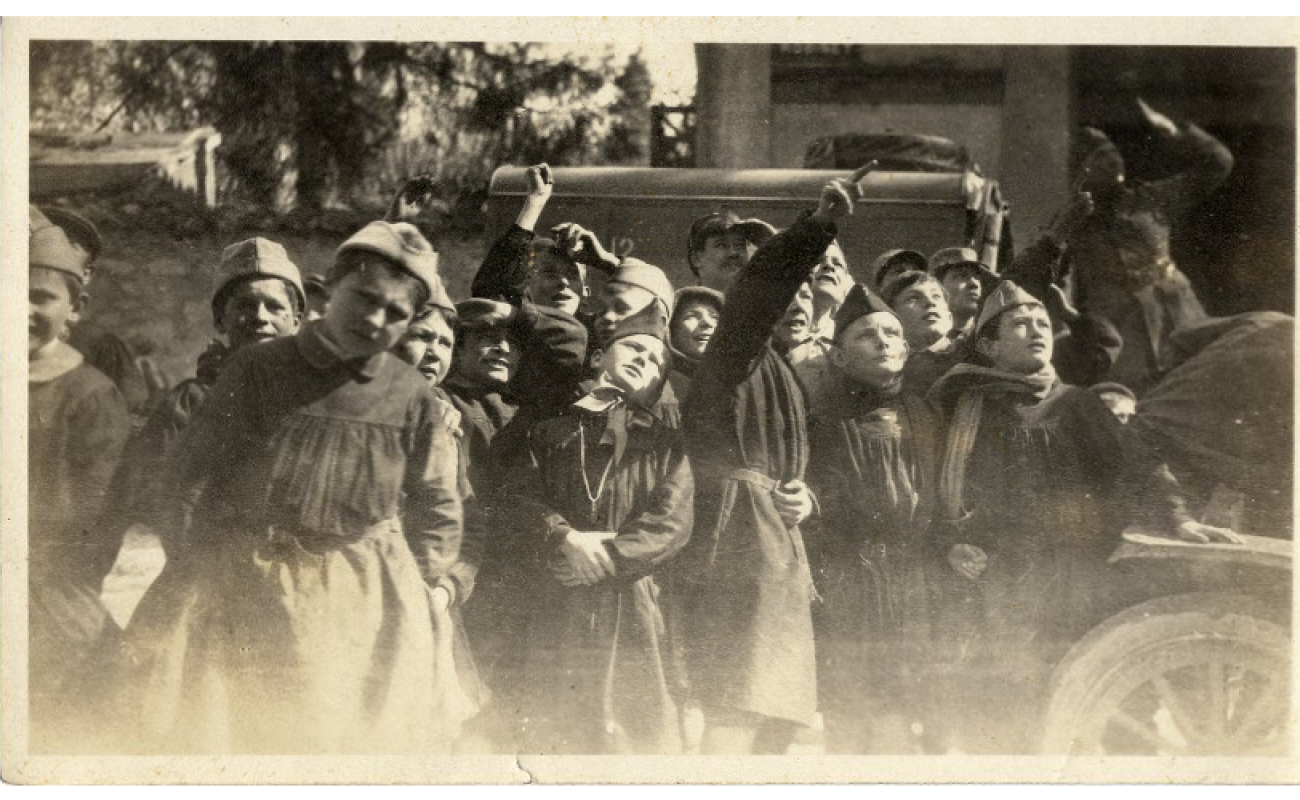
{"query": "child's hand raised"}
(839, 195)
(540, 181)
(582, 246)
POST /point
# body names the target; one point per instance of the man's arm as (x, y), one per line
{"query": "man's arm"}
(1206, 164)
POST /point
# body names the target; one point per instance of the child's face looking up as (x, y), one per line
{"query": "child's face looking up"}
(370, 309)
(872, 350)
(556, 283)
(923, 310)
(693, 327)
(1024, 342)
(52, 306)
(618, 301)
(635, 363)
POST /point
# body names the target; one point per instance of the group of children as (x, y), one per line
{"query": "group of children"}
(645, 521)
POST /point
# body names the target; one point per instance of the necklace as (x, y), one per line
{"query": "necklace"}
(594, 499)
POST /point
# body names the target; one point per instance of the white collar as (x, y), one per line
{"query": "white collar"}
(53, 361)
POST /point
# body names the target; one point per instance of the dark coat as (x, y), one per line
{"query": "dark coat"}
(873, 467)
(594, 673)
(749, 619)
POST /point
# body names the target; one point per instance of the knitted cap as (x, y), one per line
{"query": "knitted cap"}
(402, 244)
(254, 258)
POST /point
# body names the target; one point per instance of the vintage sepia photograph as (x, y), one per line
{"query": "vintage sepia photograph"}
(494, 394)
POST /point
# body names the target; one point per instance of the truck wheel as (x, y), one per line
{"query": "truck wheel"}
(1192, 674)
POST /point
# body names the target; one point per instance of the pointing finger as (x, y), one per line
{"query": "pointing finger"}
(863, 170)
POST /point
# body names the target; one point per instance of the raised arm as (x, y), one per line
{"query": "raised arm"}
(504, 273)
(768, 283)
(1206, 163)
(554, 358)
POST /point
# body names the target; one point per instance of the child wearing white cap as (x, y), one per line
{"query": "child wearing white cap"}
(77, 426)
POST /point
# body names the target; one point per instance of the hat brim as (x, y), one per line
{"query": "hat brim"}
(698, 294)
(987, 275)
(909, 260)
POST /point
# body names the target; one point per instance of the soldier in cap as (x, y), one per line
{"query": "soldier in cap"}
(895, 262)
(872, 466)
(606, 501)
(103, 350)
(966, 280)
(720, 244)
(1120, 255)
(320, 482)
(1035, 482)
(77, 426)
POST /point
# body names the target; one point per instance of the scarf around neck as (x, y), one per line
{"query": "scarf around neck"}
(607, 400)
(968, 385)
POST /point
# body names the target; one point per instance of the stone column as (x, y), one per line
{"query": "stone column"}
(733, 102)
(1037, 121)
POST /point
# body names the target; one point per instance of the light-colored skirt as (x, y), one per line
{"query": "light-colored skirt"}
(260, 645)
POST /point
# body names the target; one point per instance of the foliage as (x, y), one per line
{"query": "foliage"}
(321, 124)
